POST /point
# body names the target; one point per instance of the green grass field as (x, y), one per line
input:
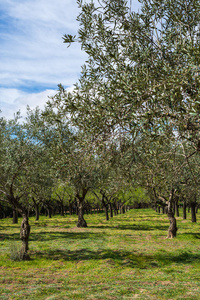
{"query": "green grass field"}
(127, 257)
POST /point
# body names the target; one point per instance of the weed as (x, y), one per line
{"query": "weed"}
(15, 252)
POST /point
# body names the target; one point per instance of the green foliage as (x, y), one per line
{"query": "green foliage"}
(140, 196)
(137, 101)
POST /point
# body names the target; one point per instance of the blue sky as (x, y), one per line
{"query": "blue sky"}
(34, 59)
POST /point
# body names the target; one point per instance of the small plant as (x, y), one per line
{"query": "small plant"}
(15, 253)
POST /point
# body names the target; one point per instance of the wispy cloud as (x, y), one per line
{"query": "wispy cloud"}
(34, 59)
(14, 100)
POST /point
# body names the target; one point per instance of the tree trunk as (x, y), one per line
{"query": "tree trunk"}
(62, 209)
(184, 210)
(177, 209)
(159, 209)
(15, 216)
(37, 212)
(106, 211)
(173, 207)
(172, 227)
(193, 211)
(24, 236)
(111, 210)
(105, 205)
(81, 220)
(49, 211)
(115, 209)
(70, 209)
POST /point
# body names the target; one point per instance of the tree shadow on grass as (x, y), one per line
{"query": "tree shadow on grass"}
(54, 235)
(12, 236)
(132, 227)
(120, 258)
(193, 235)
(46, 236)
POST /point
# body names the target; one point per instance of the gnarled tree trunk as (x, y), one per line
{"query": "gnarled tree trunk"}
(37, 211)
(105, 205)
(193, 211)
(176, 207)
(80, 203)
(111, 210)
(81, 220)
(24, 236)
(172, 227)
(15, 216)
(184, 210)
(49, 212)
(62, 209)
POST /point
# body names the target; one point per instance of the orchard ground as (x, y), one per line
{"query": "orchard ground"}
(127, 257)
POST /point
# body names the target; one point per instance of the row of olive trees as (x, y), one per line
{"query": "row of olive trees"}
(133, 118)
(24, 173)
(45, 162)
(140, 91)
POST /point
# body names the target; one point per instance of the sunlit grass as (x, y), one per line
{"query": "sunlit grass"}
(127, 257)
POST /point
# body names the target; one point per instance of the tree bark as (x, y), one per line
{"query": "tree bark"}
(37, 212)
(177, 209)
(15, 216)
(172, 227)
(81, 220)
(49, 211)
(106, 211)
(62, 209)
(115, 209)
(105, 205)
(70, 209)
(24, 236)
(193, 211)
(111, 210)
(184, 210)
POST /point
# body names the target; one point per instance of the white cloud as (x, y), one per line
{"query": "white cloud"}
(34, 59)
(31, 44)
(13, 100)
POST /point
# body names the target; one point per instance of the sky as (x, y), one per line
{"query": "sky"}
(34, 59)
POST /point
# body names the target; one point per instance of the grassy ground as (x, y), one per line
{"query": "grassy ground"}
(127, 257)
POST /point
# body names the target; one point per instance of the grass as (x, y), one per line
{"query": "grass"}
(127, 257)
